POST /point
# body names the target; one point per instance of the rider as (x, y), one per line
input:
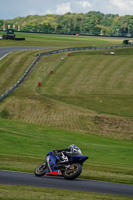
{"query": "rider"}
(66, 153)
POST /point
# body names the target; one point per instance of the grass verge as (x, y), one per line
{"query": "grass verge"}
(49, 40)
(25, 193)
(23, 146)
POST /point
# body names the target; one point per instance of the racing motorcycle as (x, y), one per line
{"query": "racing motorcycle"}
(53, 165)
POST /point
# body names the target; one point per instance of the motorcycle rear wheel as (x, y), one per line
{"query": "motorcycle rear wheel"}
(73, 171)
(41, 169)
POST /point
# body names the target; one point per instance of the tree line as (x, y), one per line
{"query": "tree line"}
(91, 23)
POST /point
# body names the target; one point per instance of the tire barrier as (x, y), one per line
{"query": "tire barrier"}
(49, 53)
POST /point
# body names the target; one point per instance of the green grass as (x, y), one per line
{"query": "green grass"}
(25, 193)
(95, 81)
(88, 91)
(88, 94)
(23, 146)
(15, 63)
(34, 39)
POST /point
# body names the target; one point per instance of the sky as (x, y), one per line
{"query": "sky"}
(10, 9)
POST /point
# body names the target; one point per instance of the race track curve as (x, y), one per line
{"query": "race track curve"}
(27, 179)
(6, 50)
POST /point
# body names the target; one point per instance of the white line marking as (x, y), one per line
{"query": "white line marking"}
(5, 55)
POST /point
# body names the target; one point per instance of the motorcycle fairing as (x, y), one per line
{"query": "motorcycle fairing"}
(52, 166)
(78, 159)
(56, 173)
(53, 155)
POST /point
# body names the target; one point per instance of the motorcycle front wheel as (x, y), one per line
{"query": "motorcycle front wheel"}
(41, 169)
(73, 171)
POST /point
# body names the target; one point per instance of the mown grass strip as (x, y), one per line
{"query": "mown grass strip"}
(24, 193)
(89, 80)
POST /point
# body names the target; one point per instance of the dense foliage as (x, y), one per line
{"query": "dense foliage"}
(75, 23)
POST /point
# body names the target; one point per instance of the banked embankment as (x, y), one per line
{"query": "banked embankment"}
(11, 89)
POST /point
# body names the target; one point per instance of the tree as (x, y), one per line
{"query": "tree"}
(116, 26)
(130, 24)
(93, 22)
(1, 24)
(107, 19)
(104, 30)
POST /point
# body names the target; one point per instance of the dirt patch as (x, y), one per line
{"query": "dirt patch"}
(116, 126)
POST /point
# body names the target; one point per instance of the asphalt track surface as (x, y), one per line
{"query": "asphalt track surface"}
(6, 50)
(27, 179)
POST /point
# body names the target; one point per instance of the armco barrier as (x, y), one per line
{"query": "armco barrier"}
(20, 80)
(78, 49)
(49, 53)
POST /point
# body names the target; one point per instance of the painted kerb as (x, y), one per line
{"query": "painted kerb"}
(49, 53)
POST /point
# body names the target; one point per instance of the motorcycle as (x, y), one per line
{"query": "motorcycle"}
(53, 166)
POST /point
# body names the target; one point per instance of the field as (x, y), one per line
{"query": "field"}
(87, 100)
(33, 39)
(88, 92)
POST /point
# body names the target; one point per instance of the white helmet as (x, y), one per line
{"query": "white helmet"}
(75, 150)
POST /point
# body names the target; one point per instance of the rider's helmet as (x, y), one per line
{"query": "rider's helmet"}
(75, 150)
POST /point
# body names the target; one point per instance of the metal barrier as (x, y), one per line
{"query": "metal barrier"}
(78, 49)
(49, 53)
(20, 80)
